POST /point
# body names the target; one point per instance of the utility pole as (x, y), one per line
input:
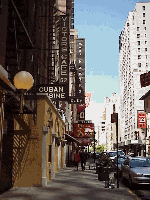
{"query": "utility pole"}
(94, 146)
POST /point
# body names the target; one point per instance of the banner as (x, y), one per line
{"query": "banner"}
(83, 130)
(84, 141)
(87, 98)
(142, 120)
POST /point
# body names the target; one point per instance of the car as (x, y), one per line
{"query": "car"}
(121, 160)
(113, 154)
(136, 170)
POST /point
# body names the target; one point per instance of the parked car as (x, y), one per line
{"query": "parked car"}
(113, 154)
(121, 160)
(136, 170)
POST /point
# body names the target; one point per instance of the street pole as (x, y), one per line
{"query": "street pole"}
(94, 146)
(117, 149)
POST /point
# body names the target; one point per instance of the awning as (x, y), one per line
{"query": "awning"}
(145, 96)
(72, 138)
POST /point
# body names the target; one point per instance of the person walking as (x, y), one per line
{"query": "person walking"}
(83, 159)
(76, 159)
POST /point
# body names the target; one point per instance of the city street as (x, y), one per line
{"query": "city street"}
(71, 184)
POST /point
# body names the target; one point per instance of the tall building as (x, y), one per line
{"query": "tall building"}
(134, 59)
(112, 104)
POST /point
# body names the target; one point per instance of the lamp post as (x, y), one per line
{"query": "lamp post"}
(94, 146)
(23, 81)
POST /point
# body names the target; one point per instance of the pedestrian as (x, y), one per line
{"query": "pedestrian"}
(76, 159)
(83, 159)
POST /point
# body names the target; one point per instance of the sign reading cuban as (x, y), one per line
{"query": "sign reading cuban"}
(83, 130)
(141, 120)
(55, 92)
(64, 49)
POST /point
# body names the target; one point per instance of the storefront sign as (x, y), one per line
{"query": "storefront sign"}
(76, 100)
(83, 130)
(55, 92)
(64, 49)
(141, 120)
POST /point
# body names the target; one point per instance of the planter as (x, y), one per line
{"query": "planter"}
(103, 173)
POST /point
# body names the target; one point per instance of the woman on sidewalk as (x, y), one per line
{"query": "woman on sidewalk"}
(76, 159)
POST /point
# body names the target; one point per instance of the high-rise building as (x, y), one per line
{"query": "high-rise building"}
(134, 59)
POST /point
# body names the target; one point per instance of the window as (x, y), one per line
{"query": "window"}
(138, 42)
(146, 64)
(138, 35)
(146, 56)
(143, 14)
(138, 28)
(145, 42)
(138, 49)
(143, 21)
(145, 35)
(139, 64)
(143, 7)
(144, 28)
(145, 49)
(127, 24)
(139, 56)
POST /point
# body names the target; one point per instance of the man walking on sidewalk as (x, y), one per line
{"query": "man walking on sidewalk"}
(83, 159)
(76, 159)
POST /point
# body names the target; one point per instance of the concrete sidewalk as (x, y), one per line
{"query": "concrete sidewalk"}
(71, 184)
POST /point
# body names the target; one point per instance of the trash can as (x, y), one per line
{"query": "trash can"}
(98, 165)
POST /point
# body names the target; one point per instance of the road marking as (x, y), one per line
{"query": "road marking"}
(137, 198)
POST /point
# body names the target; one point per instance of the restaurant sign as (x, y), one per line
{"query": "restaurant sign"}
(55, 92)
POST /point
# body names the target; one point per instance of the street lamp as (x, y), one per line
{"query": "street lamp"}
(23, 81)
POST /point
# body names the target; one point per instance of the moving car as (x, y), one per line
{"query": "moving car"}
(136, 170)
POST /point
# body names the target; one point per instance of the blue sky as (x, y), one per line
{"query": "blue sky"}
(100, 23)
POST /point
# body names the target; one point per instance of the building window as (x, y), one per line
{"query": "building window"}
(138, 49)
(127, 24)
(146, 56)
(143, 7)
(145, 42)
(139, 56)
(145, 49)
(145, 35)
(143, 21)
(139, 64)
(144, 28)
(146, 64)
(143, 14)
(138, 35)
(138, 28)
(138, 42)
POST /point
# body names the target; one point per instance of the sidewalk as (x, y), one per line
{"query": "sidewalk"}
(71, 184)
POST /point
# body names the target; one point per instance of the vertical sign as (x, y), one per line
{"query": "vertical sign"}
(80, 67)
(64, 50)
(141, 120)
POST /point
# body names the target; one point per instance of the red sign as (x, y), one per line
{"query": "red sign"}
(83, 130)
(87, 98)
(141, 120)
(145, 79)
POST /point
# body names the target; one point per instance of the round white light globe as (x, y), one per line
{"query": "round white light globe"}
(23, 80)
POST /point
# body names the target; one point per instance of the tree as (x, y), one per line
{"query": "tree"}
(100, 148)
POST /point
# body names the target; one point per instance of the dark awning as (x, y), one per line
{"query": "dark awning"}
(71, 138)
(145, 96)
